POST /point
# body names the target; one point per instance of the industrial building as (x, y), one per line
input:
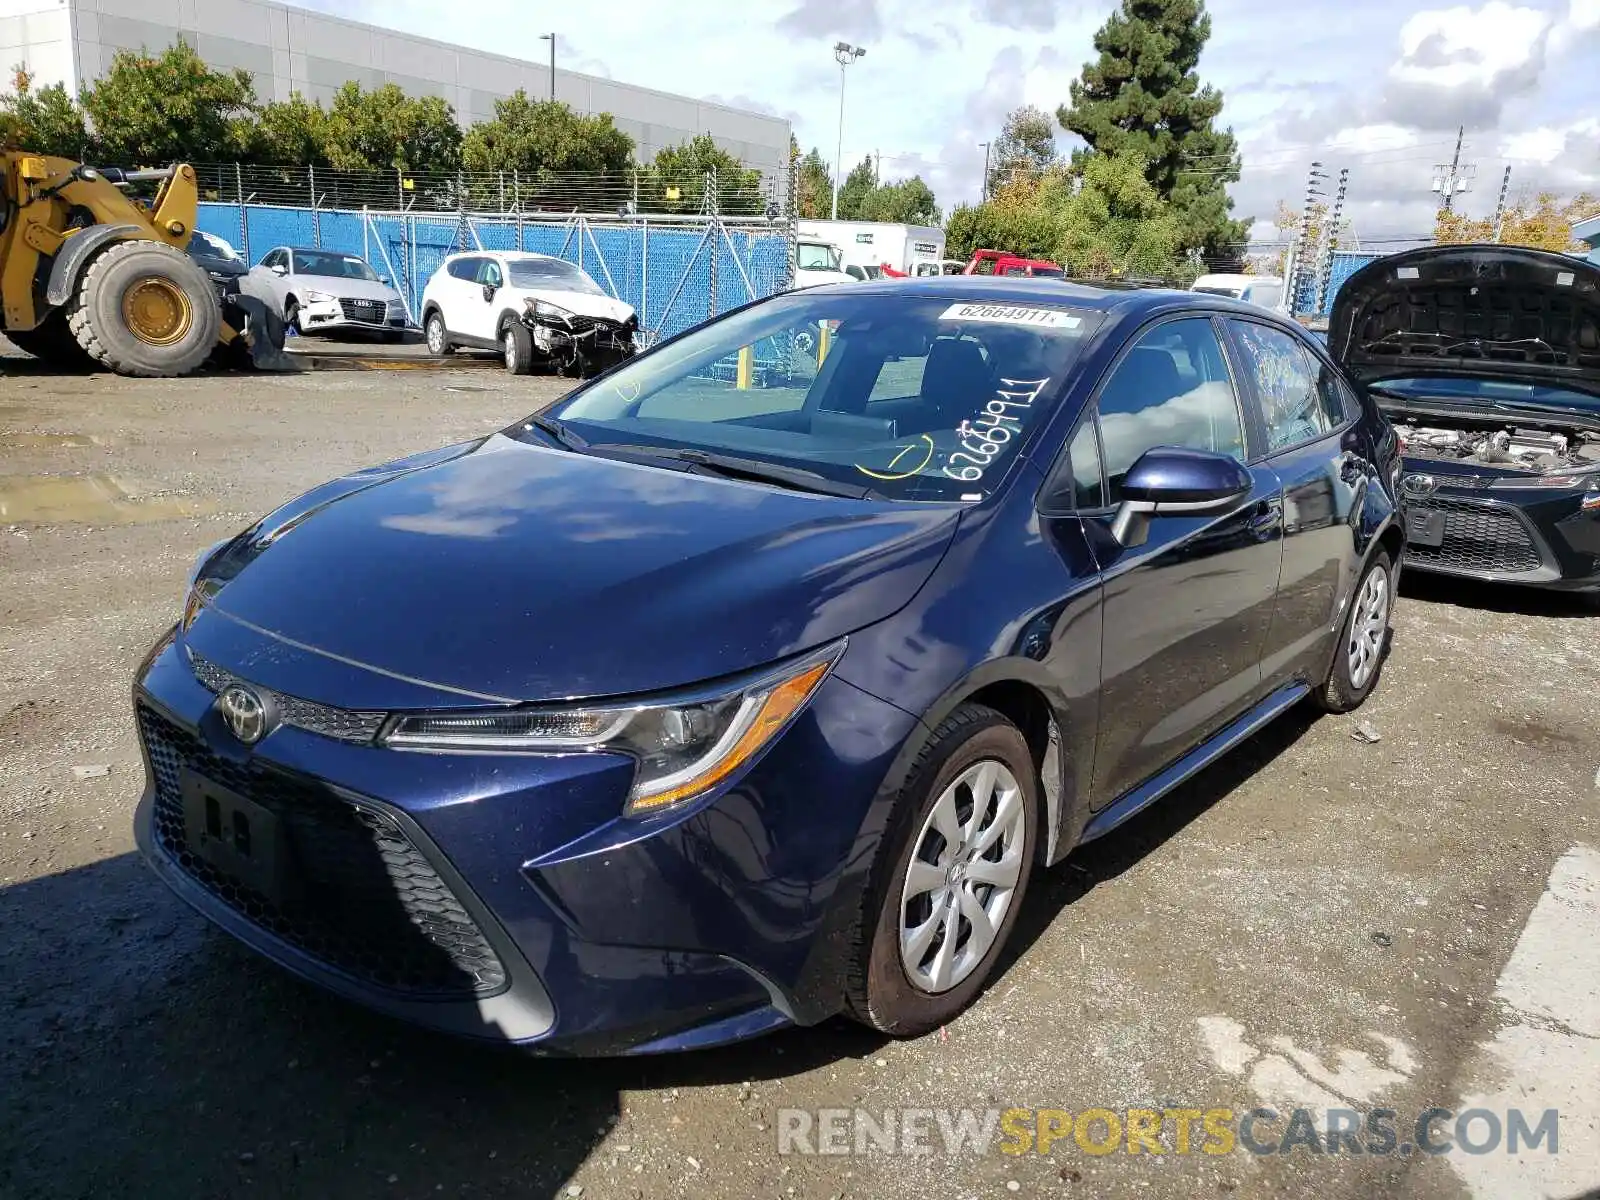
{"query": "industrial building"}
(289, 49)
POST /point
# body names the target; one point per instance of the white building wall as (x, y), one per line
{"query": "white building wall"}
(288, 49)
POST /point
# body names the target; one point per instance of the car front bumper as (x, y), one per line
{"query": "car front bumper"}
(1539, 537)
(352, 314)
(503, 897)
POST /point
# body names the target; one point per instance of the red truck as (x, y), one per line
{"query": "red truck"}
(998, 262)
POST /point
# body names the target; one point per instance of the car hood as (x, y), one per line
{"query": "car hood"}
(343, 287)
(1473, 312)
(514, 572)
(216, 264)
(585, 304)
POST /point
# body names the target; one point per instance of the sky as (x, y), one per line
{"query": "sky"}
(1376, 86)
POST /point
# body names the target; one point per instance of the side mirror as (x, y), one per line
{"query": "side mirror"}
(278, 269)
(488, 291)
(383, 279)
(1173, 481)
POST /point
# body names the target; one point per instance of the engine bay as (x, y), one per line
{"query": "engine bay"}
(1514, 447)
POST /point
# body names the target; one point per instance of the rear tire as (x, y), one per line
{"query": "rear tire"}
(1363, 640)
(951, 876)
(146, 309)
(516, 347)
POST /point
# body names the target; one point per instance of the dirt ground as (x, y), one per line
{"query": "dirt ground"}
(1316, 917)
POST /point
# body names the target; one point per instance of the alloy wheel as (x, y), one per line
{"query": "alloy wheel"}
(435, 336)
(1369, 625)
(508, 345)
(962, 876)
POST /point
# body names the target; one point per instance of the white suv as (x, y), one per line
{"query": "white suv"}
(532, 308)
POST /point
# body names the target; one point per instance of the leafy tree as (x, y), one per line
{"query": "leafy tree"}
(545, 135)
(814, 196)
(1115, 223)
(387, 129)
(47, 121)
(1143, 97)
(1026, 146)
(909, 202)
(676, 180)
(1545, 223)
(855, 189)
(1020, 217)
(150, 110)
(290, 133)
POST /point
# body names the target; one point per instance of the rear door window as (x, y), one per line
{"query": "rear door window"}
(1285, 378)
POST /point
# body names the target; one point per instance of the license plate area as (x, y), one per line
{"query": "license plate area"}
(1425, 527)
(234, 834)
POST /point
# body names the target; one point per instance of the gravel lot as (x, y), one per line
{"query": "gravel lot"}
(1316, 917)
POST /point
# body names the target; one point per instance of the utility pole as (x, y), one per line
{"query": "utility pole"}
(1500, 208)
(1332, 235)
(1297, 250)
(1452, 178)
(984, 192)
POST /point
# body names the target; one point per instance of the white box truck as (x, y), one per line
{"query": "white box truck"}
(873, 249)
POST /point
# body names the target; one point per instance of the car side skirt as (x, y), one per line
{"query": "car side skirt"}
(1203, 755)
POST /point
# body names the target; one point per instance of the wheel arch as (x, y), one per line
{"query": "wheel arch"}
(73, 258)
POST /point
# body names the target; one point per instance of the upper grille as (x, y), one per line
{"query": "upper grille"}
(331, 722)
(364, 310)
(1477, 537)
(582, 324)
(357, 892)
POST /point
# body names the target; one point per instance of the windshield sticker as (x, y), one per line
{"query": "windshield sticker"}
(985, 435)
(1011, 314)
(923, 442)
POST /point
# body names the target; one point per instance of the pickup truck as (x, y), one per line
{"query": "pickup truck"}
(998, 262)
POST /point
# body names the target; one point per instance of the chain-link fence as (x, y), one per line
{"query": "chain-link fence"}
(674, 271)
(638, 190)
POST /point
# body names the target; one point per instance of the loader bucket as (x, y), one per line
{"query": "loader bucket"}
(261, 333)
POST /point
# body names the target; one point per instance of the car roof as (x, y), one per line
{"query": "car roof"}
(508, 255)
(1112, 297)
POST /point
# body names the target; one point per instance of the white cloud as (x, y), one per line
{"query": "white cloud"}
(1459, 47)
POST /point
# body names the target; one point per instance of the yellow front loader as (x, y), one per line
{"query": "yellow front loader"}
(91, 275)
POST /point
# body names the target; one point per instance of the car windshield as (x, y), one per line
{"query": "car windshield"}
(552, 274)
(213, 247)
(334, 266)
(911, 397)
(1490, 392)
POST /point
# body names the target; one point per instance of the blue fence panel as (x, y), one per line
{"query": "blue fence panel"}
(664, 272)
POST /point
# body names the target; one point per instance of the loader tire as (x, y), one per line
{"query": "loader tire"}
(52, 342)
(144, 308)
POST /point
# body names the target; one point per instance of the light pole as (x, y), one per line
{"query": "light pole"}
(551, 38)
(844, 54)
(983, 193)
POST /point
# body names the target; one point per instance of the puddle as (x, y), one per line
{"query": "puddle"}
(47, 441)
(87, 500)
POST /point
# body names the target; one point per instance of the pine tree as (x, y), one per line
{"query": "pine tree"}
(1144, 97)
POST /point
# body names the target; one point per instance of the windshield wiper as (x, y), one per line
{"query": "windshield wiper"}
(731, 466)
(558, 432)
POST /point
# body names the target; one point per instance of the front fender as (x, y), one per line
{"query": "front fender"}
(69, 261)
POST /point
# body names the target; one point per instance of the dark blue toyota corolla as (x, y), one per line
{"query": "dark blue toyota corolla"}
(753, 682)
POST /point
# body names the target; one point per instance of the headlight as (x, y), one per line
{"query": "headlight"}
(1567, 480)
(682, 748)
(544, 308)
(312, 297)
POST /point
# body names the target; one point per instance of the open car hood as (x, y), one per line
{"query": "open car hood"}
(1477, 312)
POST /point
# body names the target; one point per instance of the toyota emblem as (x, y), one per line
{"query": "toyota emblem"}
(1419, 485)
(244, 712)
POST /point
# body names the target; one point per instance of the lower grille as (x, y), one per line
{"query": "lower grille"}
(364, 310)
(1476, 538)
(358, 893)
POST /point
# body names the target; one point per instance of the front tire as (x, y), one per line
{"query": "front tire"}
(1363, 640)
(516, 347)
(144, 308)
(951, 878)
(437, 335)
